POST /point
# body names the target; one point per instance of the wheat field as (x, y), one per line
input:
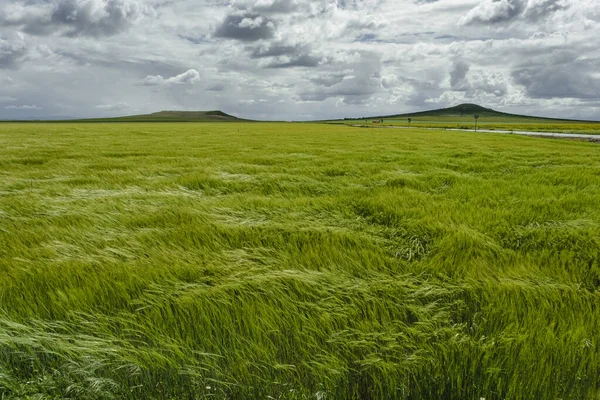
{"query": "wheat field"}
(296, 261)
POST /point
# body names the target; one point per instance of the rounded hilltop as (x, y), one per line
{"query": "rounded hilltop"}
(459, 110)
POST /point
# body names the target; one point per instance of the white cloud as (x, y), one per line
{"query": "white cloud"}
(23, 107)
(94, 18)
(502, 11)
(492, 11)
(189, 77)
(288, 59)
(113, 107)
(12, 49)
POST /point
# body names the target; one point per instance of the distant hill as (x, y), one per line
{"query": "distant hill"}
(173, 116)
(461, 117)
(466, 109)
(459, 110)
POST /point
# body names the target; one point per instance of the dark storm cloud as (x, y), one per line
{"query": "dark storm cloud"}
(502, 11)
(249, 27)
(75, 17)
(217, 87)
(328, 79)
(194, 40)
(458, 75)
(422, 92)
(360, 81)
(479, 83)
(12, 50)
(356, 91)
(305, 60)
(276, 50)
(561, 74)
(557, 82)
(366, 37)
(286, 56)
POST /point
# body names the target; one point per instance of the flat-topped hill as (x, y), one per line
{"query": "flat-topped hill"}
(174, 116)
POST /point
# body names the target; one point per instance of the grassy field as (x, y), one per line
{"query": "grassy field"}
(462, 117)
(296, 261)
(485, 122)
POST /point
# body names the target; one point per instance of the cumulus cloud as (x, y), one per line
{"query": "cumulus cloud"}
(389, 81)
(558, 81)
(499, 11)
(74, 17)
(458, 76)
(487, 83)
(276, 6)
(189, 77)
(561, 73)
(329, 79)
(359, 82)
(422, 92)
(286, 55)
(477, 83)
(493, 11)
(248, 27)
(304, 60)
(12, 50)
(292, 59)
(276, 49)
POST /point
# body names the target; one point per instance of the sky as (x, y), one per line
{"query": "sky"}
(298, 59)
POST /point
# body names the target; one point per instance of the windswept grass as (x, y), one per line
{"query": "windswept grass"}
(462, 117)
(296, 261)
(505, 123)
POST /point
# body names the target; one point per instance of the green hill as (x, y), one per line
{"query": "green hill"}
(467, 110)
(173, 116)
(461, 117)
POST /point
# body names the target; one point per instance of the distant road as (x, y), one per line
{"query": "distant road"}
(593, 138)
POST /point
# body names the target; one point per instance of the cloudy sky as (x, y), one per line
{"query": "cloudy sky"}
(298, 59)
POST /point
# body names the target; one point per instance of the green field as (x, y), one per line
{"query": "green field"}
(495, 123)
(462, 117)
(296, 261)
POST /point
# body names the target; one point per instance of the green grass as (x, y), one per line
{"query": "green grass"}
(296, 261)
(462, 117)
(494, 123)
